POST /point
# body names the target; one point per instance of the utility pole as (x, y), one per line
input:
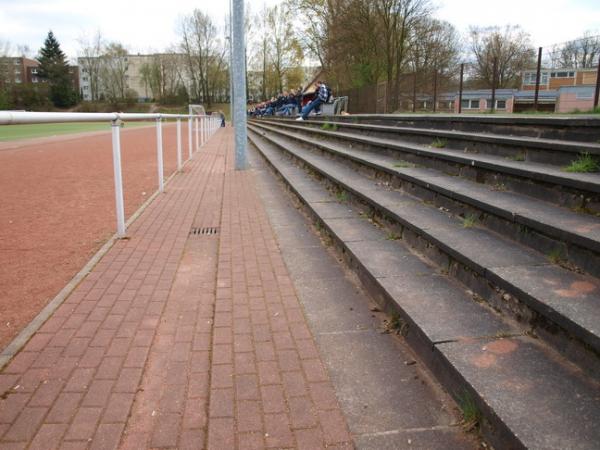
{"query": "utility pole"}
(537, 79)
(230, 39)
(460, 88)
(239, 83)
(494, 82)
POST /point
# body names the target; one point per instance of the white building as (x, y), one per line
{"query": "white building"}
(133, 66)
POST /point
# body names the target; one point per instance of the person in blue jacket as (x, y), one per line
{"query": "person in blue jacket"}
(323, 94)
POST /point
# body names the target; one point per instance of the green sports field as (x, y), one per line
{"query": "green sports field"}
(16, 132)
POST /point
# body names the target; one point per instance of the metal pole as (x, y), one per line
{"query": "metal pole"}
(239, 84)
(190, 139)
(537, 79)
(414, 108)
(597, 92)
(495, 68)
(231, 87)
(460, 88)
(116, 145)
(179, 163)
(435, 75)
(159, 155)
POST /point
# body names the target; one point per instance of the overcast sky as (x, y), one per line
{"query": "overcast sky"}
(146, 25)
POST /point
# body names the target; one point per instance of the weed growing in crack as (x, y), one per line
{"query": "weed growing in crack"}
(555, 256)
(469, 221)
(470, 412)
(404, 164)
(585, 163)
(439, 143)
(342, 197)
(517, 157)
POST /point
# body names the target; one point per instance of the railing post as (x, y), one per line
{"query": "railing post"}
(159, 155)
(197, 135)
(190, 141)
(203, 130)
(119, 203)
(179, 163)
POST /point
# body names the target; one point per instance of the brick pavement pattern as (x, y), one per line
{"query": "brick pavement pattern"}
(179, 340)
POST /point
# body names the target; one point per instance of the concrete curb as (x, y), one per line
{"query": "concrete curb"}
(23, 337)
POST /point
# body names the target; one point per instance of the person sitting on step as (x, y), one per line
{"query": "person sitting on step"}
(322, 96)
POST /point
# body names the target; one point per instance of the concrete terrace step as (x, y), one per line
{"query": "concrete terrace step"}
(549, 151)
(535, 179)
(580, 231)
(530, 396)
(585, 128)
(484, 253)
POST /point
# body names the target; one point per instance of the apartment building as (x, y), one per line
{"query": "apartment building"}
(135, 81)
(17, 70)
(20, 70)
(553, 79)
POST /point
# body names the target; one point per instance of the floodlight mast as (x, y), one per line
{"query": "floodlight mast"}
(239, 83)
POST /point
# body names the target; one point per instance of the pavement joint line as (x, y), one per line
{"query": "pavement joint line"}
(409, 430)
(17, 344)
(480, 338)
(343, 332)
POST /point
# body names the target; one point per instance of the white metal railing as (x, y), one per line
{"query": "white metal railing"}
(205, 126)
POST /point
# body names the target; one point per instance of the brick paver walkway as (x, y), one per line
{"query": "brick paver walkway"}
(179, 340)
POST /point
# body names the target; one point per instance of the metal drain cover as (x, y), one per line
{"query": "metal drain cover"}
(205, 231)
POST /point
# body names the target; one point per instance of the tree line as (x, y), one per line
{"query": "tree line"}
(364, 42)
(356, 43)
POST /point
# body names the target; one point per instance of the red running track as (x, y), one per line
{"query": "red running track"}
(57, 209)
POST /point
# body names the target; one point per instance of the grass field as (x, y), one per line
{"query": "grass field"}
(16, 132)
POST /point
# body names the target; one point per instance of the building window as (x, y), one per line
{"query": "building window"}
(470, 104)
(500, 104)
(18, 80)
(529, 78)
(84, 78)
(34, 79)
(85, 88)
(562, 74)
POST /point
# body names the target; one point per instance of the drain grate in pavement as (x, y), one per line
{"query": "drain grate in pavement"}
(204, 231)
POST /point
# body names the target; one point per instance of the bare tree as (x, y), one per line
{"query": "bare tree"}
(113, 72)
(201, 48)
(509, 46)
(7, 73)
(162, 75)
(320, 26)
(90, 61)
(581, 53)
(286, 51)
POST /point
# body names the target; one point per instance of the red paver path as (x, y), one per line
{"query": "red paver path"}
(178, 340)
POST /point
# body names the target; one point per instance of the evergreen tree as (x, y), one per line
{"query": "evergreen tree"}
(54, 69)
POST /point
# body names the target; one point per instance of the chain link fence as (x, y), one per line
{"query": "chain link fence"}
(562, 78)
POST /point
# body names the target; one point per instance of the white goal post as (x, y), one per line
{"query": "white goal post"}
(196, 110)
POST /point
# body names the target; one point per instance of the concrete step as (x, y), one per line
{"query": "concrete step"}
(563, 314)
(525, 148)
(584, 128)
(541, 181)
(528, 395)
(548, 228)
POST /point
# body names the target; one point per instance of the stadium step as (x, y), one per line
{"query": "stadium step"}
(520, 148)
(580, 191)
(581, 128)
(546, 227)
(499, 270)
(528, 394)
